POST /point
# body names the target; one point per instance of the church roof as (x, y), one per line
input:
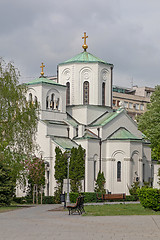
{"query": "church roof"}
(70, 120)
(51, 122)
(88, 135)
(85, 57)
(44, 80)
(64, 142)
(123, 134)
(104, 119)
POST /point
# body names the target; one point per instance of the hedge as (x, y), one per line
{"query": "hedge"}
(27, 200)
(89, 197)
(149, 198)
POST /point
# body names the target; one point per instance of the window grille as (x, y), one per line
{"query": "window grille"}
(86, 93)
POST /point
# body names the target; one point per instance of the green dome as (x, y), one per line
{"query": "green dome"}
(85, 57)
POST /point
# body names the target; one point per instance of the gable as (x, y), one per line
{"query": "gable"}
(113, 121)
(123, 134)
(88, 135)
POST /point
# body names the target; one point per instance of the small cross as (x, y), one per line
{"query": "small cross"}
(42, 73)
(85, 45)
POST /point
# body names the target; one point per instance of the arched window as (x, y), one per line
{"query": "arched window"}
(103, 93)
(118, 171)
(57, 103)
(76, 131)
(35, 100)
(68, 93)
(52, 101)
(86, 93)
(95, 170)
(47, 102)
(30, 97)
(143, 172)
(95, 159)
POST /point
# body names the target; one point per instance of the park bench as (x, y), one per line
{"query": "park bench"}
(78, 207)
(115, 196)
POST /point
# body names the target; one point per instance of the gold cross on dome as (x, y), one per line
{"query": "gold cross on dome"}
(42, 66)
(85, 45)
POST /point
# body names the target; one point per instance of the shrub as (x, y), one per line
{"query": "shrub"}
(131, 198)
(73, 196)
(19, 200)
(100, 183)
(88, 196)
(133, 190)
(57, 193)
(27, 200)
(149, 198)
(48, 200)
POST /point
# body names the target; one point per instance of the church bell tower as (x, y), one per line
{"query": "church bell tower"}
(88, 79)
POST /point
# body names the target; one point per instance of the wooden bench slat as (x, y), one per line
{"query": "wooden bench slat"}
(114, 196)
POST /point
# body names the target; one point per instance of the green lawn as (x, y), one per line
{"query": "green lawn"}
(118, 209)
(7, 209)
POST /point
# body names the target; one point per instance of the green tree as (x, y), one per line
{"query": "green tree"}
(60, 168)
(18, 120)
(77, 168)
(7, 185)
(158, 176)
(149, 123)
(36, 175)
(100, 182)
(36, 171)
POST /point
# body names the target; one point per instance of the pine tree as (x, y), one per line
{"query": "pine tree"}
(60, 168)
(7, 184)
(100, 182)
(77, 168)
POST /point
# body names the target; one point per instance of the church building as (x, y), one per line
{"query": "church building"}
(76, 109)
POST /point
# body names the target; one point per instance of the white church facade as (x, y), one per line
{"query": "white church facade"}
(76, 108)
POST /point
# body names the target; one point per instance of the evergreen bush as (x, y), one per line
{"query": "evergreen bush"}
(100, 182)
(27, 200)
(149, 198)
(7, 185)
(48, 200)
(77, 168)
(88, 196)
(73, 196)
(133, 190)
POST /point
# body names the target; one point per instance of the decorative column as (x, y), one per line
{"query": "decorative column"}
(140, 170)
(127, 174)
(110, 173)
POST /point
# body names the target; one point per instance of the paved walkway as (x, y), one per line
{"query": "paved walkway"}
(37, 223)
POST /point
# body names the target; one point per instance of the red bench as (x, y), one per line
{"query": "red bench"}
(114, 196)
(78, 207)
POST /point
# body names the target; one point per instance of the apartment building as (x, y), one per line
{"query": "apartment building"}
(133, 99)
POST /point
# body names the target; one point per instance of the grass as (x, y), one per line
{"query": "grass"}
(7, 209)
(118, 209)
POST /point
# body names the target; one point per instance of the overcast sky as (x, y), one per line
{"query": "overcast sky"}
(125, 33)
